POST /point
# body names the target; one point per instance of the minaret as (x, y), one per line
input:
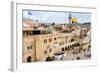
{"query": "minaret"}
(70, 17)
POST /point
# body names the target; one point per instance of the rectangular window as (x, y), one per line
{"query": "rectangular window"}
(29, 47)
(45, 51)
(29, 32)
(25, 33)
(45, 41)
(50, 50)
(36, 32)
(50, 40)
(54, 38)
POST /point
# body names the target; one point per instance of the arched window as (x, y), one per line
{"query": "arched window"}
(62, 49)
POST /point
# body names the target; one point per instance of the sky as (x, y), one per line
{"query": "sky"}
(56, 17)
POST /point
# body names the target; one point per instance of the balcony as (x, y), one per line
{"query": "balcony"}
(36, 32)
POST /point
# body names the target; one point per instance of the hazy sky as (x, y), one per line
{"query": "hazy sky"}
(57, 17)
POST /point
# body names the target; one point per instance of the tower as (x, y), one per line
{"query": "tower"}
(70, 17)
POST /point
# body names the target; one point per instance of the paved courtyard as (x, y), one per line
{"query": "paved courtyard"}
(82, 55)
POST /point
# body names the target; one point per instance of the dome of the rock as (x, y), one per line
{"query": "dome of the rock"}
(74, 20)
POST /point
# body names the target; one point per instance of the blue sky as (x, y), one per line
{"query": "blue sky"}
(57, 17)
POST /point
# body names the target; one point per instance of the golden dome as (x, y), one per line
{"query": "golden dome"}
(74, 20)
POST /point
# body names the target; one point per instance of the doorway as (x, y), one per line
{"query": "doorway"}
(29, 59)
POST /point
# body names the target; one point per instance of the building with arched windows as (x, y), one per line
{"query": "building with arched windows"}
(41, 44)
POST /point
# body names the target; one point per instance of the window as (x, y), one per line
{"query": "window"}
(50, 40)
(29, 47)
(45, 41)
(72, 40)
(45, 51)
(29, 32)
(36, 32)
(24, 33)
(50, 50)
(66, 48)
(54, 38)
(59, 37)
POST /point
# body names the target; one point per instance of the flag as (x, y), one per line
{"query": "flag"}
(29, 13)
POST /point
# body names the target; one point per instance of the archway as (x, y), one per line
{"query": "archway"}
(49, 59)
(62, 49)
(29, 59)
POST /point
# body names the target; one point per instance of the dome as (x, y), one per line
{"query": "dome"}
(74, 20)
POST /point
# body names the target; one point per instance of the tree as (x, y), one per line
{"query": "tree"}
(53, 24)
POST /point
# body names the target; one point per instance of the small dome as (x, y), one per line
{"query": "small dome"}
(74, 20)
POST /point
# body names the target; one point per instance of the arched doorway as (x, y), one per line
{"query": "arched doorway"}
(62, 49)
(29, 59)
(49, 59)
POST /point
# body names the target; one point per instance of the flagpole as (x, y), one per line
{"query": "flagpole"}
(29, 13)
(28, 17)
